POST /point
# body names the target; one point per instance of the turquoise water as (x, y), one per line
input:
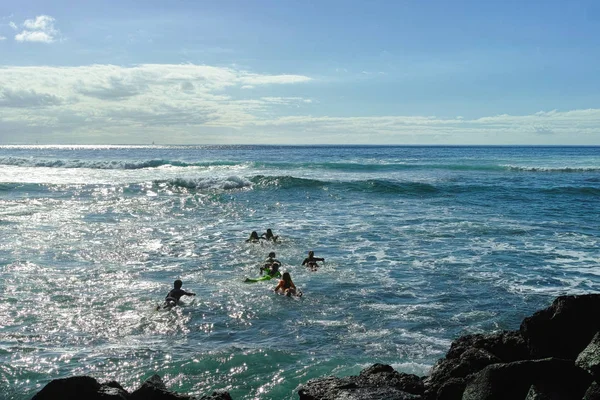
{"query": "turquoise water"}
(422, 244)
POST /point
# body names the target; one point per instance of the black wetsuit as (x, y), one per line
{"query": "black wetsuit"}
(175, 295)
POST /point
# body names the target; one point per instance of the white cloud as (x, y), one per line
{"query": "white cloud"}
(40, 23)
(255, 79)
(41, 29)
(193, 104)
(34, 36)
(2, 38)
(13, 25)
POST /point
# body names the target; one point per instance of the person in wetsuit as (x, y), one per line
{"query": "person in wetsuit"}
(311, 261)
(268, 235)
(271, 266)
(175, 294)
(254, 238)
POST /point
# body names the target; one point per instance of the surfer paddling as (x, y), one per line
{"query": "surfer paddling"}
(286, 286)
(172, 298)
(269, 236)
(311, 261)
(271, 266)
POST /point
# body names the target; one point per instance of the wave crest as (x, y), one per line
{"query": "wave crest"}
(105, 164)
(229, 183)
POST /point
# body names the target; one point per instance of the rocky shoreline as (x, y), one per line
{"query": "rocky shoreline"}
(555, 354)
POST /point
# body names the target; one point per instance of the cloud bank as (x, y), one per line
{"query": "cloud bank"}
(187, 103)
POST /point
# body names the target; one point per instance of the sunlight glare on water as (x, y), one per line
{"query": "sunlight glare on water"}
(421, 245)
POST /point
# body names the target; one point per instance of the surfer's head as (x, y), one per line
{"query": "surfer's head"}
(311, 254)
(272, 254)
(177, 284)
(286, 277)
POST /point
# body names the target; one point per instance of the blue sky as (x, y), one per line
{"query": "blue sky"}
(287, 72)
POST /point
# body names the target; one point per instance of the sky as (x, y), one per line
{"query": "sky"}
(428, 72)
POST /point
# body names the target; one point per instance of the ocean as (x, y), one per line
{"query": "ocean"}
(421, 245)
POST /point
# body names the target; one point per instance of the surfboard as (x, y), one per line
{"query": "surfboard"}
(262, 278)
(166, 305)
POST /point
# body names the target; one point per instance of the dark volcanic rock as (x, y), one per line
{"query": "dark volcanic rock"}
(76, 387)
(385, 375)
(507, 346)
(154, 389)
(80, 387)
(378, 382)
(217, 395)
(558, 378)
(470, 354)
(589, 358)
(564, 329)
(593, 392)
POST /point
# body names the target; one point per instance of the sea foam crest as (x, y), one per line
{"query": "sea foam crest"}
(551, 169)
(212, 183)
(104, 164)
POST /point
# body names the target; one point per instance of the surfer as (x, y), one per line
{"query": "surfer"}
(271, 266)
(268, 235)
(311, 261)
(254, 237)
(172, 298)
(286, 286)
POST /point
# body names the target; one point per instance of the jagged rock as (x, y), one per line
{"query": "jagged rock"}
(385, 375)
(75, 387)
(217, 395)
(589, 358)
(470, 354)
(564, 329)
(508, 346)
(593, 392)
(108, 392)
(378, 382)
(79, 387)
(537, 393)
(154, 389)
(514, 380)
(452, 389)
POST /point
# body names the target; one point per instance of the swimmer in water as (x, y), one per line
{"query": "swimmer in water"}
(286, 286)
(311, 261)
(172, 298)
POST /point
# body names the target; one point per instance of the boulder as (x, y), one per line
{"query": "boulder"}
(508, 346)
(378, 382)
(468, 355)
(73, 388)
(217, 395)
(593, 392)
(564, 329)
(589, 358)
(80, 387)
(558, 378)
(154, 389)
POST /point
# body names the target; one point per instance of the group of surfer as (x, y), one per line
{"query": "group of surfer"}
(272, 264)
(270, 268)
(286, 285)
(268, 236)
